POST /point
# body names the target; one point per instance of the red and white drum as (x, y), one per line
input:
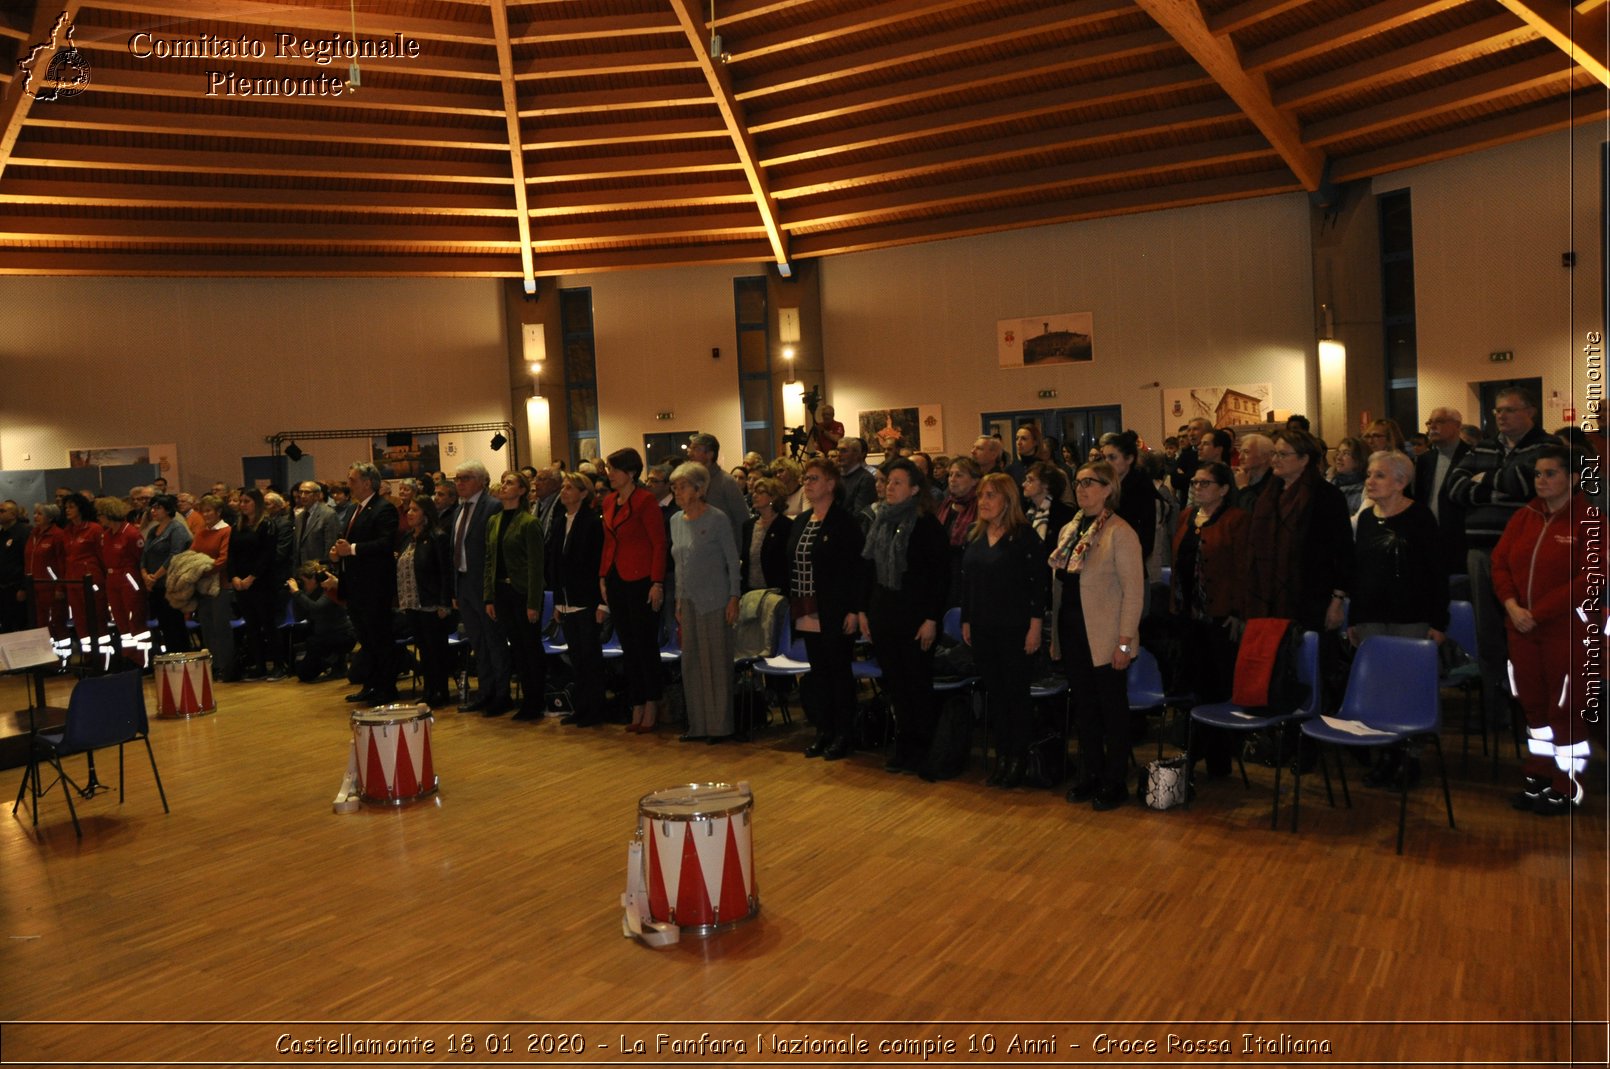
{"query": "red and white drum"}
(392, 744)
(184, 685)
(699, 855)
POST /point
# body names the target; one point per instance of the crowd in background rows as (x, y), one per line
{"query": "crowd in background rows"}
(1053, 563)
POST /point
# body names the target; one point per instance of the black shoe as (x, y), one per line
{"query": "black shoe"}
(1012, 778)
(1552, 803)
(498, 707)
(900, 765)
(479, 705)
(822, 744)
(1083, 791)
(362, 697)
(1109, 798)
(528, 715)
(1527, 796)
(567, 720)
(276, 675)
(840, 749)
(690, 737)
(717, 740)
(436, 701)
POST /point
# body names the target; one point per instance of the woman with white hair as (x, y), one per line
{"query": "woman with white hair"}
(707, 588)
(1400, 586)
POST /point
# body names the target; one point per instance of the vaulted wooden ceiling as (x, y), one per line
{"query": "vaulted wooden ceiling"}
(558, 136)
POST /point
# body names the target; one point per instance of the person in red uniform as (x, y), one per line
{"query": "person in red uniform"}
(83, 559)
(1537, 563)
(121, 547)
(45, 561)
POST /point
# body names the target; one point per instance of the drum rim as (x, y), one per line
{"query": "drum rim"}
(744, 801)
(182, 658)
(380, 714)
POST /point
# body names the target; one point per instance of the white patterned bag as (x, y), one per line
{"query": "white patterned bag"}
(1164, 784)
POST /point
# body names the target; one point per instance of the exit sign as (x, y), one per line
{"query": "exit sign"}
(1501, 358)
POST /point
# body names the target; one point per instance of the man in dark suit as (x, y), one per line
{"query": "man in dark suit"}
(1431, 473)
(317, 525)
(465, 524)
(368, 581)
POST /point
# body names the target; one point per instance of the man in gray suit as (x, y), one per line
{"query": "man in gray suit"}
(723, 493)
(317, 525)
(465, 524)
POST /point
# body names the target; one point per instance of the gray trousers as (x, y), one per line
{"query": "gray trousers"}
(214, 615)
(707, 671)
(486, 639)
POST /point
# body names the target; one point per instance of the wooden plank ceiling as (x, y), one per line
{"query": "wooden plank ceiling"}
(518, 138)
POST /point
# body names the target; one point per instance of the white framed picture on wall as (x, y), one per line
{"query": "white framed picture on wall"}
(1036, 341)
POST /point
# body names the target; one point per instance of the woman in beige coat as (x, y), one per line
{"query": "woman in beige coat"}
(1098, 561)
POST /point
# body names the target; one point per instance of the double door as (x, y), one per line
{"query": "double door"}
(1077, 429)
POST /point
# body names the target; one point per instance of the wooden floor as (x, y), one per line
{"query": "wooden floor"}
(895, 910)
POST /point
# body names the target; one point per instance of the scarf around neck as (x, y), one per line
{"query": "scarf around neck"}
(1072, 546)
(888, 541)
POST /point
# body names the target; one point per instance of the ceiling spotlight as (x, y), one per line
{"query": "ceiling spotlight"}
(498, 441)
(294, 451)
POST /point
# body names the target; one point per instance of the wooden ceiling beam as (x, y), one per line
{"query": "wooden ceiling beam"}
(970, 38)
(948, 197)
(499, 12)
(73, 115)
(638, 165)
(596, 261)
(727, 225)
(54, 229)
(544, 31)
(1582, 36)
(657, 197)
(298, 20)
(1469, 92)
(1157, 198)
(19, 101)
(938, 161)
(625, 133)
(1345, 30)
(859, 20)
(1055, 61)
(281, 164)
(1248, 13)
(89, 262)
(1583, 107)
(1401, 64)
(953, 120)
(65, 192)
(545, 68)
(1219, 57)
(736, 14)
(648, 98)
(719, 80)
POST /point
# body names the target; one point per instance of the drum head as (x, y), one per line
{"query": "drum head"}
(392, 714)
(181, 658)
(694, 801)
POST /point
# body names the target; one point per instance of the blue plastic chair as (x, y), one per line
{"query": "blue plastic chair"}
(1467, 677)
(103, 711)
(788, 663)
(1229, 716)
(1394, 692)
(1145, 689)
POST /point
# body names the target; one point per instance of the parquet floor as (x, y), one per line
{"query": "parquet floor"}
(894, 910)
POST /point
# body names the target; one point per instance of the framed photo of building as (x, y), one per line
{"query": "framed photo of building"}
(1038, 341)
(1223, 406)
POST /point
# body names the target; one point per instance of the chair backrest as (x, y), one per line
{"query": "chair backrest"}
(1393, 684)
(790, 643)
(1145, 681)
(547, 610)
(104, 711)
(952, 625)
(1462, 625)
(1308, 672)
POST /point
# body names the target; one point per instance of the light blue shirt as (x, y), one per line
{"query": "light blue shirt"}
(706, 557)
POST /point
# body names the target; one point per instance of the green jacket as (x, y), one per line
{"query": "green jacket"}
(523, 553)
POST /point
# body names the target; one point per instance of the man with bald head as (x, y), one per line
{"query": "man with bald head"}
(1253, 474)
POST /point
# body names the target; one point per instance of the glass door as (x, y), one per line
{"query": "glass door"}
(1077, 428)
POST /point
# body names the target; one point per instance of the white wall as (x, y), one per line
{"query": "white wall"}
(1201, 296)
(653, 331)
(1489, 230)
(216, 365)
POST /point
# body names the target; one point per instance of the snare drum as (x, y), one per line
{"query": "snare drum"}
(699, 855)
(184, 685)
(392, 744)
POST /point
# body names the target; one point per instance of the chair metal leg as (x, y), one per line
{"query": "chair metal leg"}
(1280, 759)
(1324, 770)
(67, 788)
(1241, 760)
(1442, 766)
(1341, 771)
(1190, 763)
(1403, 794)
(1297, 784)
(155, 774)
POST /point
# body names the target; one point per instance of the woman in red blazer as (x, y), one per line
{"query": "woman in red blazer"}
(83, 559)
(631, 578)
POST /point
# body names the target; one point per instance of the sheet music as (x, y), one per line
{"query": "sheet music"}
(25, 649)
